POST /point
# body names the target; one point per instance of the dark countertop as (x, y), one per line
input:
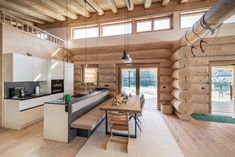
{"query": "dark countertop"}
(30, 96)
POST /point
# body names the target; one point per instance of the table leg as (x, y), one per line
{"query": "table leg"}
(106, 122)
(135, 136)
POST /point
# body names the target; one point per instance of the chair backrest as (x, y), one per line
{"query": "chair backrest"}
(142, 102)
(118, 118)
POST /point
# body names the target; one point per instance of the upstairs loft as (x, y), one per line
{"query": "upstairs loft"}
(29, 28)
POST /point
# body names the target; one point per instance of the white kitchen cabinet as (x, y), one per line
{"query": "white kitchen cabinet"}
(57, 69)
(69, 78)
(18, 68)
(19, 114)
(39, 69)
(22, 68)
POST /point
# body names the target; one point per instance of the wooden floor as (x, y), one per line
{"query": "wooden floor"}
(195, 138)
(203, 139)
(29, 142)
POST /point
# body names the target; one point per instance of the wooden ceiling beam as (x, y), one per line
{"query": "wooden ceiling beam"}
(95, 6)
(36, 5)
(25, 10)
(147, 4)
(165, 2)
(77, 8)
(130, 5)
(219, 12)
(60, 9)
(156, 9)
(22, 16)
(184, 1)
(113, 6)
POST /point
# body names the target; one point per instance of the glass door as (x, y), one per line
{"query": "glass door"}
(141, 80)
(222, 90)
(148, 86)
(128, 80)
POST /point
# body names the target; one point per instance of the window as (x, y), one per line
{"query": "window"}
(143, 26)
(81, 33)
(188, 20)
(117, 29)
(162, 23)
(230, 19)
(90, 75)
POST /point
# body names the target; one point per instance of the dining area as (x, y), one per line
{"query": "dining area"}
(119, 111)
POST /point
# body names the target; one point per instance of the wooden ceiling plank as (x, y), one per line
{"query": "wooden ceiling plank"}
(24, 10)
(147, 4)
(113, 6)
(60, 9)
(79, 9)
(22, 16)
(156, 9)
(36, 5)
(130, 5)
(165, 2)
(95, 6)
(184, 1)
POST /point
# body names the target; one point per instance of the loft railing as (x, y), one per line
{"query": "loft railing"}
(29, 28)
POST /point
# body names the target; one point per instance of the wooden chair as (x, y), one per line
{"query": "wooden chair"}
(132, 115)
(118, 122)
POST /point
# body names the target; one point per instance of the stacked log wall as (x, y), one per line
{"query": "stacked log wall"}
(191, 74)
(108, 58)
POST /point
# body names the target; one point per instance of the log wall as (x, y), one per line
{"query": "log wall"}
(108, 58)
(191, 74)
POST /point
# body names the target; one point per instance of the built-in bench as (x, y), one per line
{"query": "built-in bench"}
(85, 115)
(90, 121)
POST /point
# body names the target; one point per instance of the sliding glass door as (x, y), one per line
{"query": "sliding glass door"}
(140, 80)
(128, 76)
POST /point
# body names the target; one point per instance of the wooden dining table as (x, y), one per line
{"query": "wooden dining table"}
(132, 105)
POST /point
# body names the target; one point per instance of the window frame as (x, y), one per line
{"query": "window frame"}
(84, 27)
(188, 13)
(143, 20)
(97, 73)
(152, 23)
(115, 23)
(170, 23)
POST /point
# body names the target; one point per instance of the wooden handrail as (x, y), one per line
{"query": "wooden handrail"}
(29, 28)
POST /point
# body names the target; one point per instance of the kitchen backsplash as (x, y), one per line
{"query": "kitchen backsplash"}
(29, 86)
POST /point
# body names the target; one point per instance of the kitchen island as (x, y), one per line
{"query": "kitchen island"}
(59, 115)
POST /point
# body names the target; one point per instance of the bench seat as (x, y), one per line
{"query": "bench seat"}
(91, 119)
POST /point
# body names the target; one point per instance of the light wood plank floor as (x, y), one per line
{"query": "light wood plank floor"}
(203, 139)
(29, 142)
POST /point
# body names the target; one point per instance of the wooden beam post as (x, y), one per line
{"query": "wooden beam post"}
(147, 4)
(79, 9)
(130, 5)
(113, 6)
(165, 2)
(95, 6)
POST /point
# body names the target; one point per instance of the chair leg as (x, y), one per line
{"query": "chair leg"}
(139, 120)
(139, 126)
(111, 135)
